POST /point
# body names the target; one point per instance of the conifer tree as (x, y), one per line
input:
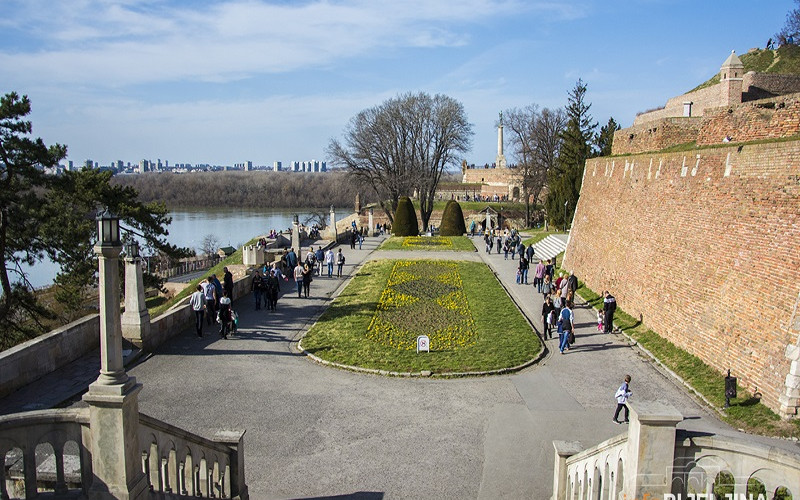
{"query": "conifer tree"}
(564, 181)
(605, 139)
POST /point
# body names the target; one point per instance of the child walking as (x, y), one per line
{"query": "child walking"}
(622, 395)
(599, 321)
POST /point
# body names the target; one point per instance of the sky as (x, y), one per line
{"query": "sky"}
(224, 82)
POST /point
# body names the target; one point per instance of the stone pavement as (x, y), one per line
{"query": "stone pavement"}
(315, 431)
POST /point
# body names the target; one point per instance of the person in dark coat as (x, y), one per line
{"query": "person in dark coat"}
(609, 306)
(227, 282)
(547, 320)
(273, 289)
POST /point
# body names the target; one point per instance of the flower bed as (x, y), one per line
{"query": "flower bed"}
(437, 242)
(423, 298)
(429, 243)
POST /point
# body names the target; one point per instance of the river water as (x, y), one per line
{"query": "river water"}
(231, 226)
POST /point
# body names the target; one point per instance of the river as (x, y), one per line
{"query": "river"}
(231, 226)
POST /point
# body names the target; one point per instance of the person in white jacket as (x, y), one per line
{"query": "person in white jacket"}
(622, 395)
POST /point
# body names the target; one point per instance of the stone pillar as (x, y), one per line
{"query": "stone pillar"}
(235, 440)
(651, 450)
(296, 235)
(564, 450)
(136, 318)
(332, 231)
(112, 399)
(488, 222)
(371, 230)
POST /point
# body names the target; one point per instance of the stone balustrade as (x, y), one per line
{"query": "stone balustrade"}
(654, 460)
(48, 451)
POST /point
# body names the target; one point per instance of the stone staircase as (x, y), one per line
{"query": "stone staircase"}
(550, 246)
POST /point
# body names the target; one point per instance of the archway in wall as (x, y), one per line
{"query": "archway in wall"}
(515, 193)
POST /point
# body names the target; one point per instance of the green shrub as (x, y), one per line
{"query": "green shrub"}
(405, 219)
(452, 220)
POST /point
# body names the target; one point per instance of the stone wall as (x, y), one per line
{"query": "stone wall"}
(495, 181)
(709, 97)
(656, 135)
(772, 83)
(26, 362)
(704, 246)
(764, 119)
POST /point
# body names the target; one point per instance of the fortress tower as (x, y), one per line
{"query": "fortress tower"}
(730, 77)
(500, 161)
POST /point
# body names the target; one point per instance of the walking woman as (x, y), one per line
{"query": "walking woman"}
(307, 272)
(566, 327)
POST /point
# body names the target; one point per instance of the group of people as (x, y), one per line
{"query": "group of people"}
(211, 301)
(557, 309)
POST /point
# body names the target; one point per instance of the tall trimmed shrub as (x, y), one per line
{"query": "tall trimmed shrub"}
(452, 220)
(405, 218)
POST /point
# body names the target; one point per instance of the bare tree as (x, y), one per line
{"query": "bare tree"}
(403, 145)
(535, 139)
(209, 245)
(791, 28)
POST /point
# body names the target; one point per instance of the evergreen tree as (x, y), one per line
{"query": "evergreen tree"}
(564, 181)
(452, 220)
(405, 218)
(605, 139)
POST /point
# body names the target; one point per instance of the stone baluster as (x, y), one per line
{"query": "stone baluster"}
(29, 470)
(182, 478)
(61, 483)
(3, 489)
(564, 450)
(146, 469)
(196, 490)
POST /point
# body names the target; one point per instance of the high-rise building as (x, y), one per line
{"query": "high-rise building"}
(276, 166)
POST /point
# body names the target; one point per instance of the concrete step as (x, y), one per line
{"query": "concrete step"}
(550, 246)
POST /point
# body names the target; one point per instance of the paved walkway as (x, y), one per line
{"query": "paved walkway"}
(314, 431)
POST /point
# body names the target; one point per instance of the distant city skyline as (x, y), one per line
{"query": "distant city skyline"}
(223, 82)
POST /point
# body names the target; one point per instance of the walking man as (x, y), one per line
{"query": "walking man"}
(622, 395)
(609, 306)
(565, 327)
(329, 261)
(227, 280)
(256, 286)
(298, 279)
(210, 293)
(198, 302)
(339, 263)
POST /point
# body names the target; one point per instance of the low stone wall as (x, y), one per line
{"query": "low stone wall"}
(765, 119)
(35, 358)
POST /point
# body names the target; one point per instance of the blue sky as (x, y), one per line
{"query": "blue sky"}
(226, 82)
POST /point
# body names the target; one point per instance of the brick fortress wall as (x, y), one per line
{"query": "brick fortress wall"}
(704, 245)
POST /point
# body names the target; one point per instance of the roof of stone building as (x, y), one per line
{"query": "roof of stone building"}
(733, 61)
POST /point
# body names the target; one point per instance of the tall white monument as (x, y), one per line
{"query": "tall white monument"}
(500, 161)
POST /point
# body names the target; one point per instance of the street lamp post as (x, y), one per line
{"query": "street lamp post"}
(565, 215)
(113, 397)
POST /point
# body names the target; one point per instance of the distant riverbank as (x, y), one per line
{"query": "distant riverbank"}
(260, 189)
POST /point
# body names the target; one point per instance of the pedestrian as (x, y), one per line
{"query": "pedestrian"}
(505, 250)
(538, 276)
(273, 288)
(566, 328)
(361, 239)
(609, 306)
(499, 242)
(319, 256)
(622, 395)
(551, 268)
(339, 263)
(600, 321)
(353, 238)
(291, 259)
(198, 302)
(523, 269)
(227, 280)
(256, 286)
(572, 283)
(529, 253)
(329, 257)
(217, 288)
(548, 314)
(298, 279)
(546, 286)
(307, 278)
(210, 293)
(225, 316)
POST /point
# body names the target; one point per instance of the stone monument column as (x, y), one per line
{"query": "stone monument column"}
(296, 235)
(113, 397)
(371, 221)
(332, 231)
(136, 318)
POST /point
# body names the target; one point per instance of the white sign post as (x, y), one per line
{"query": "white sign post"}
(423, 343)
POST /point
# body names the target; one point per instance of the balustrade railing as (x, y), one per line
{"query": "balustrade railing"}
(48, 451)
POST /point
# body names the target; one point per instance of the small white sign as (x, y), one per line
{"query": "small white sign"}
(423, 343)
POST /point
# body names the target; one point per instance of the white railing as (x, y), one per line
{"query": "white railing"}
(48, 451)
(596, 472)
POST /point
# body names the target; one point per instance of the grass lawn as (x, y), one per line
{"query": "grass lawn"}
(472, 323)
(745, 412)
(427, 243)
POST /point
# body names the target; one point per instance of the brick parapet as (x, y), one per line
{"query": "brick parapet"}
(703, 245)
(763, 119)
(656, 135)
